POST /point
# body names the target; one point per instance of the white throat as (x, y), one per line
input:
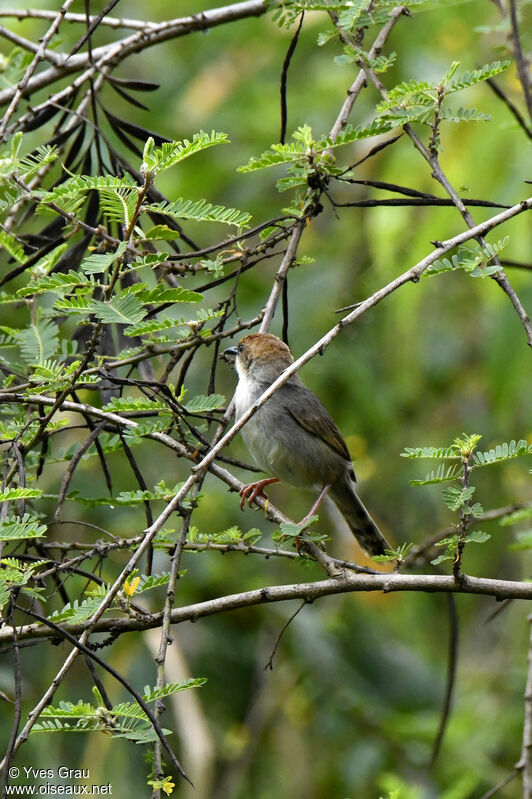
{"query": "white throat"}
(243, 393)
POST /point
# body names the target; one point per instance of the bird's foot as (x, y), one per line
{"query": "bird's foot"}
(316, 505)
(253, 490)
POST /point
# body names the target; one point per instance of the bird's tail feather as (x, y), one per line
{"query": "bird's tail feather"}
(357, 517)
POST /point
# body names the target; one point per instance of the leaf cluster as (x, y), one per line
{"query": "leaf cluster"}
(124, 720)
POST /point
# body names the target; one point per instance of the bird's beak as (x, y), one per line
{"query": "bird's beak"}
(230, 353)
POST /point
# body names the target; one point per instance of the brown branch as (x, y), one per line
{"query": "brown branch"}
(76, 459)
(22, 86)
(311, 591)
(523, 65)
(149, 35)
(38, 13)
(360, 80)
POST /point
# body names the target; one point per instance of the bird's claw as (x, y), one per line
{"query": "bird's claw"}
(253, 490)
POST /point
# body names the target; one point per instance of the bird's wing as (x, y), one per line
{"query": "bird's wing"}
(306, 409)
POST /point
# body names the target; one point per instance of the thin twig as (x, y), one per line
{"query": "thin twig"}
(284, 628)
(17, 676)
(496, 89)
(358, 85)
(339, 124)
(524, 765)
(74, 462)
(165, 639)
(451, 677)
(500, 785)
(38, 13)
(284, 76)
(148, 36)
(523, 65)
(431, 156)
(23, 83)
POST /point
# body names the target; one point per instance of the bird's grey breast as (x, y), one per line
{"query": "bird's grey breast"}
(256, 432)
(274, 440)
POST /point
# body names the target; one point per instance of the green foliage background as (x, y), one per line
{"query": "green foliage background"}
(352, 705)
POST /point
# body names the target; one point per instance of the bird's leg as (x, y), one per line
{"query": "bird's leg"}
(317, 504)
(253, 490)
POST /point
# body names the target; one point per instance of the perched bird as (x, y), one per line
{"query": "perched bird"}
(293, 436)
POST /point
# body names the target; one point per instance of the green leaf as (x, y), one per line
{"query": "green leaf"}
(14, 528)
(80, 184)
(159, 323)
(161, 492)
(68, 709)
(6, 298)
(119, 205)
(19, 493)
(79, 611)
(38, 342)
(32, 162)
(517, 516)
(291, 152)
(455, 498)
(204, 404)
(350, 134)
(163, 293)
(502, 452)
(523, 541)
(269, 158)
(58, 283)
(440, 475)
(152, 581)
(464, 115)
(125, 309)
(151, 259)
(477, 75)
(75, 305)
(201, 211)
(451, 544)
(100, 262)
(133, 404)
(398, 554)
(157, 159)
(155, 325)
(45, 264)
(12, 246)
(152, 694)
(160, 232)
(409, 93)
(449, 555)
(477, 537)
(440, 453)
(294, 530)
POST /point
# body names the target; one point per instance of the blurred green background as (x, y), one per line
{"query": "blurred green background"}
(352, 705)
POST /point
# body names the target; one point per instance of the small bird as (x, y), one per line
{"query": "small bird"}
(293, 437)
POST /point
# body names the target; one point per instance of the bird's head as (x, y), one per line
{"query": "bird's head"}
(260, 356)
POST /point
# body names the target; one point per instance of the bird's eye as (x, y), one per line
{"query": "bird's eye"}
(240, 348)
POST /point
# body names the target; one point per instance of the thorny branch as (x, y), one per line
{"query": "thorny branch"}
(309, 591)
